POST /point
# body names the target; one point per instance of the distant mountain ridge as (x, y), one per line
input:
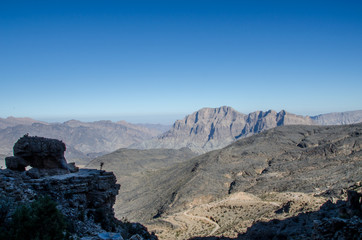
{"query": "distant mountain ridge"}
(213, 128)
(13, 121)
(336, 118)
(202, 131)
(84, 140)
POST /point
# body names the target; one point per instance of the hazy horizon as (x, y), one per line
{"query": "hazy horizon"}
(164, 119)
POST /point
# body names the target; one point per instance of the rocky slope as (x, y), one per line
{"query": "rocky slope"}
(332, 220)
(288, 162)
(84, 140)
(129, 166)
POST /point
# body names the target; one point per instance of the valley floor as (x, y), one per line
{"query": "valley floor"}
(233, 215)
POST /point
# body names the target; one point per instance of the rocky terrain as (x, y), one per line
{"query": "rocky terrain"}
(85, 197)
(224, 192)
(130, 166)
(333, 220)
(213, 128)
(84, 140)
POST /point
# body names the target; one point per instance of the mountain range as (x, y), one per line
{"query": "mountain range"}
(202, 131)
(84, 140)
(13, 121)
(213, 128)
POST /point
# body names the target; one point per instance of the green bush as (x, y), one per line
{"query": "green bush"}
(40, 220)
(5, 205)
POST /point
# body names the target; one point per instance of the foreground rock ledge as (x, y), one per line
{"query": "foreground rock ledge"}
(86, 196)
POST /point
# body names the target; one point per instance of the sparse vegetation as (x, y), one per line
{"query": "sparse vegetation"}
(40, 220)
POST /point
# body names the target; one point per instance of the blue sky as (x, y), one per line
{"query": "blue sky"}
(155, 61)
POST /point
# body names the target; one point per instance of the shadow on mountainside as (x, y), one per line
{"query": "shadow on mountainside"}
(340, 220)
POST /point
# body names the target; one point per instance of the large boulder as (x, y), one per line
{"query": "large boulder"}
(37, 152)
(16, 163)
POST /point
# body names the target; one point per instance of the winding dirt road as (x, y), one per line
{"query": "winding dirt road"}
(217, 226)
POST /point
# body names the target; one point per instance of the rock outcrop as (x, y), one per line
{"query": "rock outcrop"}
(44, 155)
(86, 197)
(37, 152)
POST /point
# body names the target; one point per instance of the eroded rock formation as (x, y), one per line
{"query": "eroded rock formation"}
(37, 152)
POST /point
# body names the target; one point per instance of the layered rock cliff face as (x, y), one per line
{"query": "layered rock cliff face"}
(85, 197)
(214, 128)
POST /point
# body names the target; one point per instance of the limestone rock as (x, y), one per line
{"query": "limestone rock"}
(16, 163)
(213, 128)
(86, 198)
(41, 152)
(43, 172)
(44, 155)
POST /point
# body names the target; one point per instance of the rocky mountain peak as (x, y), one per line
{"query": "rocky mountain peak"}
(209, 115)
(212, 128)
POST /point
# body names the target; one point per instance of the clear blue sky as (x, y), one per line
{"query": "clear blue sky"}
(161, 59)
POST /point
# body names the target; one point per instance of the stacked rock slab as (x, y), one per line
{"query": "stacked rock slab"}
(44, 155)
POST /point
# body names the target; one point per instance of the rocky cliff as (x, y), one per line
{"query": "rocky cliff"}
(86, 197)
(214, 128)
